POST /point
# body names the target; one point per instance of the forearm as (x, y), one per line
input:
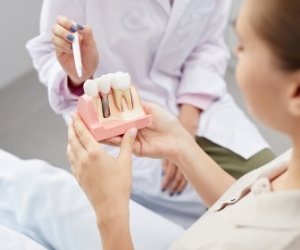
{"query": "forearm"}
(113, 224)
(189, 117)
(206, 176)
(115, 234)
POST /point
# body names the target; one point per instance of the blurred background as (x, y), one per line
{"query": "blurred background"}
(28, 127)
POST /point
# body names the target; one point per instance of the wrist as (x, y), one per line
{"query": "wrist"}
(76, 85)
(110, 216)
(111, 209)
(181, 144)
(189, 118)
(117, 227)
(76, 90)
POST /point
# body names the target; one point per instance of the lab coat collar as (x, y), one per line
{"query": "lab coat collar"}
(178, 9)
(165, 4)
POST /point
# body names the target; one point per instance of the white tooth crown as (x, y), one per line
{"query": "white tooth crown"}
(103, 83)
(121, 81)
(120, 84)
(90, 88)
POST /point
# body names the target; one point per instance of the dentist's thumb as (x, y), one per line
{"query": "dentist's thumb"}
(127, 145)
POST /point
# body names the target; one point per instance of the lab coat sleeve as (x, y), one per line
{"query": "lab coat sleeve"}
(202, 80)
(43, 55)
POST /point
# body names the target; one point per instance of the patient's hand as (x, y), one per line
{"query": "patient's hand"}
(161, 139)
(106, 180)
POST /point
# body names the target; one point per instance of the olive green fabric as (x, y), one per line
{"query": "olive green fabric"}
(232, 163)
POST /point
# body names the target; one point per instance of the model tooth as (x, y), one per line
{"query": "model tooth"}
(90, 88)
(127, 96)
(110, 76)
(118, 94)
(120, 80)
(103, 84)
(120, 83)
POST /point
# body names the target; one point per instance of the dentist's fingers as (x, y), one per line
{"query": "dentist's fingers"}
(178, 183)
(182, 186)
(68, 27)
(66, 23)
(63, 34)
(170, 171)
(86, 32)
(61, 45)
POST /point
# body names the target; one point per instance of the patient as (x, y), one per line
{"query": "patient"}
(260, 210)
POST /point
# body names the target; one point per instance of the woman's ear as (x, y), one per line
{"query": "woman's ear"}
(294, 98)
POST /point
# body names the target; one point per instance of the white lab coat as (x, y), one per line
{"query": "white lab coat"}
(173, 56)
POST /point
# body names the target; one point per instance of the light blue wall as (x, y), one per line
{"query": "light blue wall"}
(19, 22)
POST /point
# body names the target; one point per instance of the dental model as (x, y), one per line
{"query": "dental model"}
(120, 84)
(103, 85)
(121, 106)
(90, 89)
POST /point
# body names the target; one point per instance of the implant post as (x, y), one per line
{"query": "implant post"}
(105, 105)
(103, 84)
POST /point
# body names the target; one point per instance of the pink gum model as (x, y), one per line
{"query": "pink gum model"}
(103, 128)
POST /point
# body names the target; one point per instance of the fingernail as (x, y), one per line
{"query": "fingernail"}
(171, 194)
(163, 190)
(133, 132)
(179, 193)
(73, 28)
(162, 173)
(79, 26)
(70, 37)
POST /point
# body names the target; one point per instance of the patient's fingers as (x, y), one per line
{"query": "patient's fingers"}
(74, 171)
(75, 145)
(69, 153)
(114, 141)
(126, 145)
(84, 135)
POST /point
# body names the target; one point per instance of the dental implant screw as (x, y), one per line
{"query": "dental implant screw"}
(105, 105)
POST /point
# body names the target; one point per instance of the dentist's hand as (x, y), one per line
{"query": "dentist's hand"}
(62, 40)
(174, 180)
